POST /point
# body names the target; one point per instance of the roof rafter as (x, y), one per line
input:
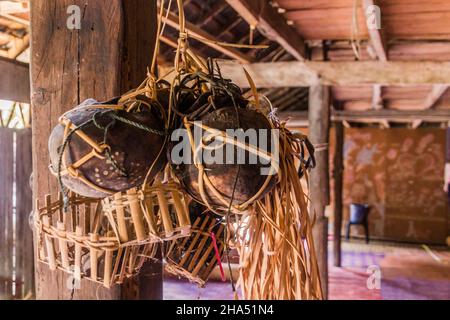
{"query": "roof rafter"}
(377, 97)
(436, 93)
(377, 38)
(259, 13)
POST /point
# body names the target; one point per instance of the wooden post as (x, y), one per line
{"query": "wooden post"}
(319, 126)
(338, 185)
(108, 55)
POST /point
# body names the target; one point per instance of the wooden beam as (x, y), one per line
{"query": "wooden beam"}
(307, 73)
(377, 39)
(319, 127)
(9, 7)
(385, 123)
(261, 14)
(416, 123)
(377, 98)
(372, 116)
(271, 74)
(106, 57)
(346, 124)
(20, 45)
(15, 18)
(338, 172)
(172, 21)
(436, 93)
(14, 80)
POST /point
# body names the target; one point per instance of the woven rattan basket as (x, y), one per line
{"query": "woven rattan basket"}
(195, 257)
(81, 242)
(144, 216)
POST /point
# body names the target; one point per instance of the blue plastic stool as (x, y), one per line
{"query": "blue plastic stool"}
(359, 214)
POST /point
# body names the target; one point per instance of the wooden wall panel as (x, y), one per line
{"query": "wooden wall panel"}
(447, 154)
(15, 80)
(6, 210)
(15, 207)
(23, 233)
(399, 172)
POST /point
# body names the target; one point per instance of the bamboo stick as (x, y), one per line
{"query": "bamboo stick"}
(199, 248)
(205, 256)
(41, 251)
(193, 243)
(149, 214)
(93, 237)
(136, 214)
(87, 218)
(123, 267)
(117, 263)
(108, 269)
(49, 244)
(77, 272)
(120, 217)
(63, 246)
(165, 214)
(181, 211)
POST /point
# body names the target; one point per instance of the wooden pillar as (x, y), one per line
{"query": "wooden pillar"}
(107, 56)
(338, 185)
(319, 126)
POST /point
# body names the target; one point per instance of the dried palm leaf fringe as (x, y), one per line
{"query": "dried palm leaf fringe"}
(277, 257)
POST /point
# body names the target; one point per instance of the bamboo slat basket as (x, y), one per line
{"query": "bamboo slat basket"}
(194, 257)
(146, 216)
(81, 242)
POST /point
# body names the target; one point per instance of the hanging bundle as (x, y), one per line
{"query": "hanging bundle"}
(274, 241)
(195, 257)
(81, 242)
(98, 149)
(155, 213)
(229, 139)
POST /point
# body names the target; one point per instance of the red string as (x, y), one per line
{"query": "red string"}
(216, 251)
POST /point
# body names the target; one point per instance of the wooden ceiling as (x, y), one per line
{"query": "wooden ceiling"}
(402, 19)
(217, 21)
(411, 30)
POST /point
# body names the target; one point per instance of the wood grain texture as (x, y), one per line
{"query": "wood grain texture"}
(338, 170)
(261, 14)
(377, 37)
(107, 56)
(342, 73)
(399, 172)
(401, 19)
(15, 80)
(6, 211)
(23, 233)
(318, 133)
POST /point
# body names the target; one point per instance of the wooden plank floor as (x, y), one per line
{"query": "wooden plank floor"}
(408, 272)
